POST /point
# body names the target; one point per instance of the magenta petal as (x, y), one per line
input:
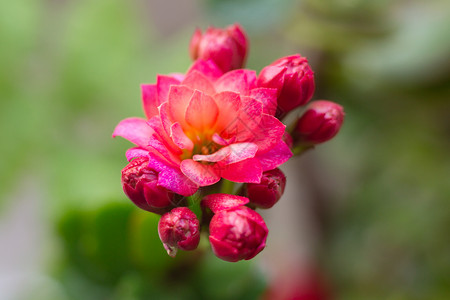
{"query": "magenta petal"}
(199, 173)
(135, 152)
(179, 97)
(240, 151)
(163, 84)
(136, 130)
(180, 138)
(224, 250)
(268, 98)
(215, 157)
(219, 202)
(248, 170)
(239, 81)
(171, 177)
(228, 104)
(149, 100)
(275, 157)
(268, 133)
(197, 81)
(207, 68)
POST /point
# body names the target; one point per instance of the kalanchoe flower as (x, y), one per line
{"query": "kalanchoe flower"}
(179, 229)
(320, 122)
(237, 234)
(140, 184)
(293, 79)
(207, 127)
(266, 193)
(226, 47)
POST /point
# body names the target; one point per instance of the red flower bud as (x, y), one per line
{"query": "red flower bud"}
(226, 47)
(320, 122)
(140, 184)
(266, 193)
(179, 229)
(294, 80)
(238, 233)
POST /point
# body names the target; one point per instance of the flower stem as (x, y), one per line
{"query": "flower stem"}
(227, 187)
(194, 205)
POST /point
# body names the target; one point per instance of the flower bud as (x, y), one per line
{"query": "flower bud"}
(179, 229)
(238, 233)
(140, 184)
(320, 122)
(226, 47)
(294, 80)
(266, 193)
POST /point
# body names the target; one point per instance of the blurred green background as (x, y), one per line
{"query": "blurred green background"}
(70, 70)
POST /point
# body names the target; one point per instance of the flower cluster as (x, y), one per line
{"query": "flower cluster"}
(214, 126)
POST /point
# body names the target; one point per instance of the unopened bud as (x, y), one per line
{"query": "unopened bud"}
(226, 47)
(266, 193)
(140, 184)
(179, 229)
(237, 234)
(320, 122)
(294, 80)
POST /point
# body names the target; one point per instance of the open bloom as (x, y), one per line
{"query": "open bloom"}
(205, 126)
(179, 229)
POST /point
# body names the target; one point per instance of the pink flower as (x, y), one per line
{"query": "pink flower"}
(206, 126)
(320, 122)
(140, 184)
(179, 229)
(266, 193)
(293, 79)
(226, 47)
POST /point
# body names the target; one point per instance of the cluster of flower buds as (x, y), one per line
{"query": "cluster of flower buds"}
(218, 125)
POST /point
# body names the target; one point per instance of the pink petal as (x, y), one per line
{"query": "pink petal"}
(171, 177)
(197, 81)
(268, 97)
(135, 152)
(273, 158)
(164, 115)
(224, 250)
(228, 104)
(248, 170)
(250, 114)
(239, 81)
(163, 84)
(215, 157)
(159, 147)
(135, 130)
(207, 68)
(199, 173)
(267, 134)
(156, 124)
(149, 100)
(180, 138)
(221, 141)
(240, 152)
(201, 112)
(219, 202)
(179, 97)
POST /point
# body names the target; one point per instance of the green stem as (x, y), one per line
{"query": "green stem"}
(227, 187)
(194, 205)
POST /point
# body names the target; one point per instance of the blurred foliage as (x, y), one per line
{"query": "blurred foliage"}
(71, 70)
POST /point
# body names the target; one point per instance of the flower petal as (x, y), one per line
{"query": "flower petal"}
(228, 104)
(135, 152)
(179, 97)
(268, 97)
(240, 152)
(273, 158)
(197, 81)
(248, 170)
(207, 68)
(163, 84)
(202, 111)
(136, 130)
(219, 202)
(199, 173)
(215, 157)
(239, 81)
(180, 138)
(149, 100)
(267, 134)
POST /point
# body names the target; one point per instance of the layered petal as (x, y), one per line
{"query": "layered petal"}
(201, 174)
(239, 81)
(136, 130)
(201, 112)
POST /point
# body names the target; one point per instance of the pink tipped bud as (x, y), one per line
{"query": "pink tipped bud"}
(226, 47)
(294, 80)
(179, 229)
(238, 233)
(320, 122)
(140, 184)
(266, 193)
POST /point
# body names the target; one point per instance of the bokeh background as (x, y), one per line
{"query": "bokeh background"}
(365, 216)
